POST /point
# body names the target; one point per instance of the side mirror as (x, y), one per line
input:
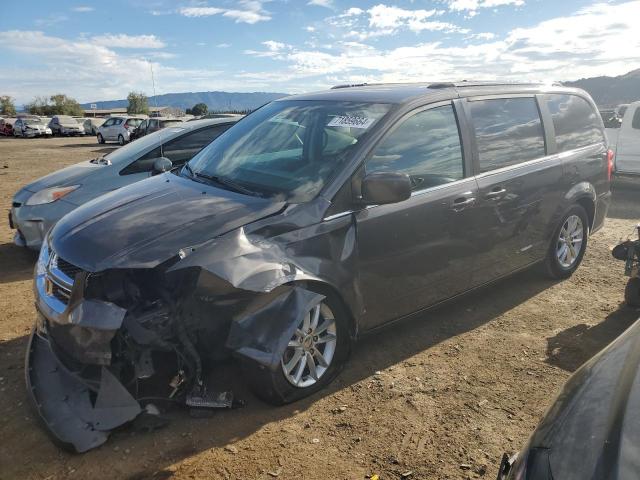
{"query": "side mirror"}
(381, 188)
(161, 165)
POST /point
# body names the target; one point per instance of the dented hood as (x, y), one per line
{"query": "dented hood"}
(146, 223)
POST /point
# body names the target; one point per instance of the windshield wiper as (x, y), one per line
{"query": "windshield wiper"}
(226, 182)
(188, 168)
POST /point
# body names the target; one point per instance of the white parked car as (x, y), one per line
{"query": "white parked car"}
(118, 129)
(625, 141)
(31, 127)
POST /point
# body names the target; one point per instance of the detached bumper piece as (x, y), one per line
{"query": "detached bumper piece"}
(76, 418)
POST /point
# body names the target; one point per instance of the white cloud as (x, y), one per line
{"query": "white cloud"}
(321, 3)
(123, 40)
(89, 72)
(601, 39)
(251, 12)
(201, 11)
(222, 45)
(274, 46)
(381, 20)
(83, 9)
(471, 7)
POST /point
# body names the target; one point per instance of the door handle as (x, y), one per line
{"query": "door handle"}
(496, 193)
(461, 203)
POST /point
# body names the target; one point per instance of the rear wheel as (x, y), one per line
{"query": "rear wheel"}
(568, 244)
(314, 356)
(632, 292)
(120, 140)
(100, 138)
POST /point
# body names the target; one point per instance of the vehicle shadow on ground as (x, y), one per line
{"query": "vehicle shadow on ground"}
(572, 347)
(186, 436)
(625, 200)
(16, 263)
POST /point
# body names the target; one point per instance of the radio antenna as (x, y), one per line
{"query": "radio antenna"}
(155, 100)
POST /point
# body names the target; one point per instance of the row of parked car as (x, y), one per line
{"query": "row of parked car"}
(311, 221)
(121, 129)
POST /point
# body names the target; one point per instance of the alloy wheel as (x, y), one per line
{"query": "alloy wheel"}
(570, 241)
(312, 347)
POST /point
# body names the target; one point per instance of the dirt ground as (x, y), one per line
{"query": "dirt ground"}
(439, 396)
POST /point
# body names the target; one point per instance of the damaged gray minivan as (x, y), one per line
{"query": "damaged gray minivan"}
(312, 220)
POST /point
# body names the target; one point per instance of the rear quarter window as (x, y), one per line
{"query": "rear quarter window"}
(635, 123)
(508, 131)
(576, 123)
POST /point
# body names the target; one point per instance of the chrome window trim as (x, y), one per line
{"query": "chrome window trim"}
(440, 187)
(337, 215)
(546, 158)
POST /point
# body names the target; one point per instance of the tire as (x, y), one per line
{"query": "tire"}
(100, 139)
(121, 140)
(273, 386)
(632, 292)
(556, 268)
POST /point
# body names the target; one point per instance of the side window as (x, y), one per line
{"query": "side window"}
(184, 148)
(117, 121)
(576, 123)
(108, 123)
(508, 131)
(635, 123)
(142, 126)
(426, 146)
(179, 150)
(142, 164)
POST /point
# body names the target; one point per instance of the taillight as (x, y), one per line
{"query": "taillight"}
(126, 126)
(610, 164)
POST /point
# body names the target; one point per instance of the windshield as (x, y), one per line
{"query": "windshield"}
(64, 118)
(133, 149)
(288, 149)
(33, 121)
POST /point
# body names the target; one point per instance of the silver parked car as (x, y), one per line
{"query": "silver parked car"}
(65, 125)
(39, 205)
(31, 126)
(118, 128)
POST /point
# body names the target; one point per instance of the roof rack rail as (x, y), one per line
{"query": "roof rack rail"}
(349, 85)
(487, 83)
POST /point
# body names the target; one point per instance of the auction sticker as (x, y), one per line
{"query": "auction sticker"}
(350, 121)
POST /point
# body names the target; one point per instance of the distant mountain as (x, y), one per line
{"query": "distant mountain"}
(216, 101)
(611, 91)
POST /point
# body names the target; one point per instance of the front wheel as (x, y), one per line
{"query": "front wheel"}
(314, 356)
(568, 244)
(100, 139)
(120, 140)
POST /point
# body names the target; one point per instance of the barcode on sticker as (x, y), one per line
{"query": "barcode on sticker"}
(352, 121)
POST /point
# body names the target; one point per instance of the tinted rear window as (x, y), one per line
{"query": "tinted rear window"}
(508, 131)
(576, 123)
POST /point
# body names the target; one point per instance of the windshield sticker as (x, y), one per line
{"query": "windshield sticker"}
(352, 121)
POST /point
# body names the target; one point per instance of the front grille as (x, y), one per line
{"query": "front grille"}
(60, 293)
(68, 269)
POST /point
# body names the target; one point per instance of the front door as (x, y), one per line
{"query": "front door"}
(415, 253)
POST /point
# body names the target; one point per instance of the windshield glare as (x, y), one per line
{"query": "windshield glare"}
(33, 121)
(289, 149)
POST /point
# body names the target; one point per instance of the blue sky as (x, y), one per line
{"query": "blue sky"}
(102, 50)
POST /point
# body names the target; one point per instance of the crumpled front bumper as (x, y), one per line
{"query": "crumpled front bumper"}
(76, 416)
